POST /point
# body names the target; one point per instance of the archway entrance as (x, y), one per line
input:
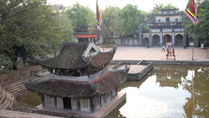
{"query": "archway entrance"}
(179, 40)
(167, 39)
(145, 41)
(156, 40)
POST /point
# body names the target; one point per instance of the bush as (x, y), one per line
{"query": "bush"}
(5, 63)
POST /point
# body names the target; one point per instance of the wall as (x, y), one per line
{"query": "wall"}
(126, 42)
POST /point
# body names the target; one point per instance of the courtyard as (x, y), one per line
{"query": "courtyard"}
(155, 53)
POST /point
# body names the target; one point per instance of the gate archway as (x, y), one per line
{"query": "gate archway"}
(145, 41)
(167, 39)
(179, 40)
(156, 40)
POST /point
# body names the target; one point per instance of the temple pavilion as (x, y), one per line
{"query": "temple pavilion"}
(80, 80)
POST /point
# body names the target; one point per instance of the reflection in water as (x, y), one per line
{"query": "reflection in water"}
(198, 103)
(167, 92)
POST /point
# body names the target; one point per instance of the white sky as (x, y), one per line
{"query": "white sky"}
(146, 5)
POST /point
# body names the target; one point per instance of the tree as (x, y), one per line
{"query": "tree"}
(112, 24)
(27, 28)
(144, 19)
(129, 14)
(202, 26)
(81, 16)
(198, 87)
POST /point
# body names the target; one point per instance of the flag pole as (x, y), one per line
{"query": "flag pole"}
(193, 43)
(196, 6)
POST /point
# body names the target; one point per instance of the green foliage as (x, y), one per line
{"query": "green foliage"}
(5, 63)
(81, 16)
(202, 30)
(118, 22)
(112, 24)
(129, 14)
(161, 6)
(28, 28)
(144, 17)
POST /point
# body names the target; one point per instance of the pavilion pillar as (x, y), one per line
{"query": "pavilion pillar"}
(49, 101)
(85, 105)
(173, 38)
(161, 38)
(60, 104)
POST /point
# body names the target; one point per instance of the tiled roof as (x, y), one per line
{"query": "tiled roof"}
(103, 83)
(70, 57)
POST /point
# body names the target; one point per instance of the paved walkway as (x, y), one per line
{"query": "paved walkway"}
(155, 53)
(17, 114)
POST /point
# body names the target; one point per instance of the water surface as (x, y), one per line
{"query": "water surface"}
(167, 92)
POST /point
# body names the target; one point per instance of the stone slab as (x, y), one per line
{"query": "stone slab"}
(18, 114)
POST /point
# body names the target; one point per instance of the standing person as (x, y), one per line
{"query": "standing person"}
(163, 49)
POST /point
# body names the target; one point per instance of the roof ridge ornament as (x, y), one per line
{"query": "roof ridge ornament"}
(91, 51)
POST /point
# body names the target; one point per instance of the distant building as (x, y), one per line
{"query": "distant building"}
(167, 29)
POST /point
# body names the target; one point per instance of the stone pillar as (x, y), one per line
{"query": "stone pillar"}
(74, 104)
(173, 38)
(85, 105)
(49, 101)
(113, 93)
(150, 40)
(109, 96)
(95, 103)
(184, 39)
(60, 104)
(103, 100)
(161, 38)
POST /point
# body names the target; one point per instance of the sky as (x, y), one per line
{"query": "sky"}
(145, 5)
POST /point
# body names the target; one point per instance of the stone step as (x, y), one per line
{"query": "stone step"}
(11, 101)
(13, 88)
(16, 91)
(14, 84)
(8, 101)
(3, 97)
(2, 92)
(17, 86)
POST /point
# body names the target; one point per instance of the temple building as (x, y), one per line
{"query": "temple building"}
(80, 81)
(167, 29)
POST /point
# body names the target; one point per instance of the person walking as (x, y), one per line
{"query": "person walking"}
(163, 49)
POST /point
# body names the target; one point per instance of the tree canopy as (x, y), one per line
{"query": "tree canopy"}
(111, 22)
(81, 16)
(202, 31)
(29, 28)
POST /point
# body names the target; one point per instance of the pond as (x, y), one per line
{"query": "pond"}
(166, 92)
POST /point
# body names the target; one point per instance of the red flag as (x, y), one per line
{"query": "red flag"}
(191, 11)
(98, 16)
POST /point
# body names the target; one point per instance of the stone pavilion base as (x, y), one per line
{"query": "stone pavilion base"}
(102, 112)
